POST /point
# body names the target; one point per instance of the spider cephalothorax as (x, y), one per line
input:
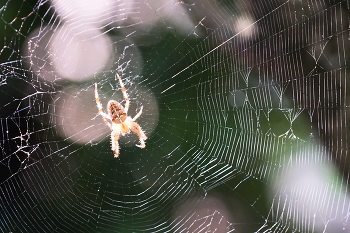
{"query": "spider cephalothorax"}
(118, 120)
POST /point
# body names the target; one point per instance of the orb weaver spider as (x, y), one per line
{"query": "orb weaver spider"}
(118, 121)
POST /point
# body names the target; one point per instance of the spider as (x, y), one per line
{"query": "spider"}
(118, 120)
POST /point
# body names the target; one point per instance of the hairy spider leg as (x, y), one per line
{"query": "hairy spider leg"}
(127, 100)
(136, 128)
(138, 114)
(100, 108)
(142, 137)
(114, 142)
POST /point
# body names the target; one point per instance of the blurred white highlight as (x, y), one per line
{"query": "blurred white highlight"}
(172, 11)
(78, 55)
(76, 116)
(87, 12)
(209, 215)
(313, 192)
(245, 26)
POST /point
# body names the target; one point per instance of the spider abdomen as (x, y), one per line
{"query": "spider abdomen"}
(116, 112)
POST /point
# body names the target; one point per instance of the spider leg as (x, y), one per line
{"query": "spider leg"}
(142, 137)
(138, 114)
(127, 100)
(114, 142)
(100, 109)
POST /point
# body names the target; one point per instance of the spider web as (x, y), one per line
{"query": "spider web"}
(244, 105)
